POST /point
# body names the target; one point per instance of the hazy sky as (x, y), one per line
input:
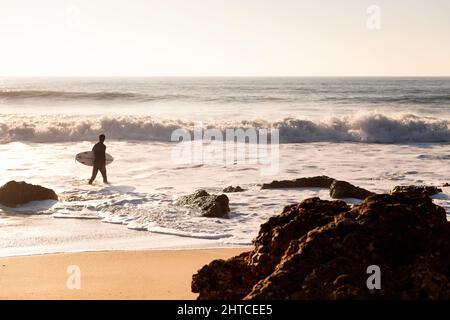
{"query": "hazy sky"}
(223, 38)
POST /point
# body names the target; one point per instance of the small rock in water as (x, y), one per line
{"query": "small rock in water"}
(338, 189)
(417, 190)
(14, 193)
(343, 189)
(211, 205)
(230, 189)
(311, 182)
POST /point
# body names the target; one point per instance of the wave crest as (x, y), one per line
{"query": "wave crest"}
(373, 128)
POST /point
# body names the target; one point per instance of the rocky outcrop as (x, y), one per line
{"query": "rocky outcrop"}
(14, 193)
(321, 250)
(338, 189)
(225, 280)
(343, 189)
(231, 189)
(211, 205)
(446, 184)
(417, 190)
(311, 182)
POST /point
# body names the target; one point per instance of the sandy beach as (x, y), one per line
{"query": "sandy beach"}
(152, 274)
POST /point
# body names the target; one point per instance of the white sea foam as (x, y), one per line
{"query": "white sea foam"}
(145, 185)
(366, 128)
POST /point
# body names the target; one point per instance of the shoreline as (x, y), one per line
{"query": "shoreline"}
(81, 251)
(42, 235)
(122, 274)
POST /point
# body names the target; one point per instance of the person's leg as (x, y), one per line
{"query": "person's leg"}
(103, 172)
(94, 174)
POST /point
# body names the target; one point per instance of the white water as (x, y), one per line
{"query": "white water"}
(145, 183)
(370, 127)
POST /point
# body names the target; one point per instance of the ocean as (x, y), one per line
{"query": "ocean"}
(373, 132)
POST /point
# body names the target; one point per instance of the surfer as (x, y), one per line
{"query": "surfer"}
(100, 159)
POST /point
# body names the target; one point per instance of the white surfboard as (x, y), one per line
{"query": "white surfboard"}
(87, 158)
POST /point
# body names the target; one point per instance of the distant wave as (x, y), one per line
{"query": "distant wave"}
(369, 128)
(74, 96)
(258, 95)
(80, 95)
(438, 98)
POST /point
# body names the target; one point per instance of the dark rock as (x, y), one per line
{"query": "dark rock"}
(343, 189)
(338, 189)
(224, 280)
(211, 205)
(312, 182)
(446, 184)
(293, 223)
(14, 193)
(417, 190)
(321, 250)
(230, 189)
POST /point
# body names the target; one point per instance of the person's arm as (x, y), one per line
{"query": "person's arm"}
(95, 150)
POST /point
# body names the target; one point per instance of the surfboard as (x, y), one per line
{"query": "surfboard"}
(87, 158)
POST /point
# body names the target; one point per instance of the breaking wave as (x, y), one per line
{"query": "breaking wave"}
(371, 128)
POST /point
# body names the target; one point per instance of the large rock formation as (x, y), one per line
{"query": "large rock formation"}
(321, 250)
(14, 193)
(211, 205)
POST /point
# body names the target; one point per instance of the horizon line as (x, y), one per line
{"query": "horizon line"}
(225, 76)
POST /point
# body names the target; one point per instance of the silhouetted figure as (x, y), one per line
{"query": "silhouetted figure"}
(100, 159)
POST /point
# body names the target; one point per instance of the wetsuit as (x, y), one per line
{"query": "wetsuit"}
(99, 162)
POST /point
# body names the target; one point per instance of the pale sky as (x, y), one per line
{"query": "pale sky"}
(223, 38)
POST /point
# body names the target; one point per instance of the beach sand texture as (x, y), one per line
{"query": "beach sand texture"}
(155, 274)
